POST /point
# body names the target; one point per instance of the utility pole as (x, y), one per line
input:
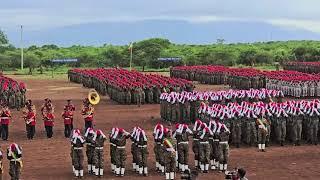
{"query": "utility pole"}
(21, 44)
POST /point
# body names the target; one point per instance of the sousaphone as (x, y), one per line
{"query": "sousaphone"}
(93, 97)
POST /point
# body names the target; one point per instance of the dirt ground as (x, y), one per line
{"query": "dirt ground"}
(49, 158)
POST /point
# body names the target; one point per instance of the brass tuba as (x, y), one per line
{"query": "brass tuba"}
(93, 97)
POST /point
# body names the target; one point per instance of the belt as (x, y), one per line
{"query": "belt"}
(211, 138)
(159, 143)
(216, 140)
(19, 159)
(77, 148)
(121, 147)
(223, 142)
(143, 146)
(184, 142)
(112, 144)
(196, 139)
(67, 118)
(205, 142)
(98, 147)
(169, 150)
(4, 117)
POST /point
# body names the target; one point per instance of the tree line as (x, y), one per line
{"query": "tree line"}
(146, 52)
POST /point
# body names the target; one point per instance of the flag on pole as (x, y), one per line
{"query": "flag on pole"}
(130, 46)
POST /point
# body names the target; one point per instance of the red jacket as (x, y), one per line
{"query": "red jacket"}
(49, 119)
(31, 118)
(5, 117)
(67, 117)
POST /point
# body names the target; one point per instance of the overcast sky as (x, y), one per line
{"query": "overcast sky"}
(46, 14)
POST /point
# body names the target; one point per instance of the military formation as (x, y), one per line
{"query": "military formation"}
(291, 83)
(12, 93)
(259, 123)
(294, 84)
(128, 87)
(183, 107)
(306, 67)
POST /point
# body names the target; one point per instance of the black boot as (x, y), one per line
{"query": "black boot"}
(281, 143)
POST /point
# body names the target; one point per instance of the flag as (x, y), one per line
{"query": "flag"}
(130, 46)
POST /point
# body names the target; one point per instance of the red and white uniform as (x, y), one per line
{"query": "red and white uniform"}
(5, 116)
(67, 117)
(49, 119)
(31, 118)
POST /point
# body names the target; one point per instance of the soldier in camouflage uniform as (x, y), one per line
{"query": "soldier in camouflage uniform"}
(236, 130)
(297, 126)
(14, 155)
(169, 154)
(196, 143)
(262, 132)
(223, 147)
(158, 135)
(90, 149)
(313, 125)
(77, 155)
(98, 160)
(204, 147)
(280, 126)
(182, 136)
(113, 134)
(142, 152)
(121, 155)
(134, 147)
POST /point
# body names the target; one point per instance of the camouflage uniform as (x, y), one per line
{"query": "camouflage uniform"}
(142, 154)
(223, 149)
(77, 155)
(98, 159)
(121, 155)
(170, 158)
(183, 148)
(204, 149)
(90, 149)
(14, 155)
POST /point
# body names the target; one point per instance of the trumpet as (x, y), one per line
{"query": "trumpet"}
(93, 97)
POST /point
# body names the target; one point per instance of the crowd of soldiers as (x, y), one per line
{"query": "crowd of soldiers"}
(12, 93)
(292, 83)
(183, 107)
(128, 87)
(259, 122)
(238, 78)
(306, 67)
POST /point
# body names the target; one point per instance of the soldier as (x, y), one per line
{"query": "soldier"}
(5, 117)
(67, 116)
(87, 113)
(204, 147)
(98, 140)
(158, 130)
(142, 152)
(18, 98)
(236, 130)
(297, 126)
(121, 155)
(262, 132)
(182, 135)
(77, 142)
(113, 134)
(48, 117)
(169, 154)
(195, 144)
(280, 126)
(223, 135)
(90, 149)
(71, 108)
(314, 125)
(134, 147)
(214, 142)
(29, 115)
(14, 155)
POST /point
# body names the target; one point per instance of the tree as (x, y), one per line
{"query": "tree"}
(248, 57)
(3, 38)
(31, 61)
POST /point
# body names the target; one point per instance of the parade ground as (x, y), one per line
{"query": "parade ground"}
(50, 158)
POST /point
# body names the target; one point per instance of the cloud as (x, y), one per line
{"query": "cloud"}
(309, 25)
(46, 14)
